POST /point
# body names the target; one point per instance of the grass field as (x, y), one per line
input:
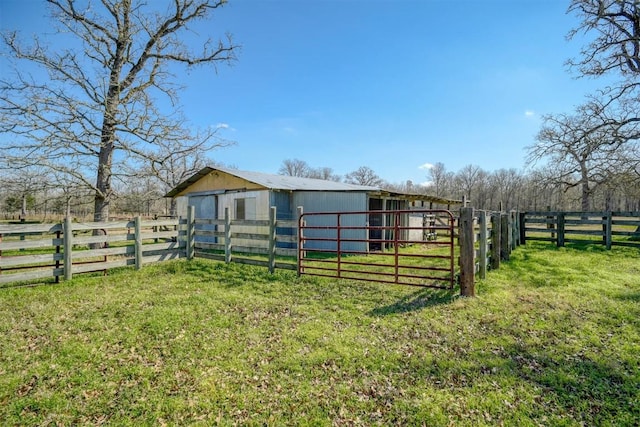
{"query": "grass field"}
(553, 338)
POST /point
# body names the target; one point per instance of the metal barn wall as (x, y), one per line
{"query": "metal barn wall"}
(262, 212)
(326, 201)
(282, 200)
(205, 207)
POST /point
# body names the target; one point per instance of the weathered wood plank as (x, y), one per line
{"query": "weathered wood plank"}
(161, 257)
(250, 236)
(30, 244)
(27, 275)
(22, 260)
(99, 266)
(161, 246)
(17, 229)
(92, 253)
(90, 226)
(211, 221)
(250, 222)
(249, 250)
(286, 252)
(630, 222)
(106, 238)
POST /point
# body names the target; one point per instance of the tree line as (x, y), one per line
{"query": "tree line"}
(85, 116)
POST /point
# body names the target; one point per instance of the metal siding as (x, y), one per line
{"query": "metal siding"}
(262, 212)
(205, 208)
(326, 201)
(282, 201)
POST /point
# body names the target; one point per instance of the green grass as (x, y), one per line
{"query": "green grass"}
(553, 338)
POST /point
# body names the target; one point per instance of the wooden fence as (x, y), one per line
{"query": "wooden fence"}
(256, 242)
(42, 251)
(602, 228)
(32, 252)
(485, 239)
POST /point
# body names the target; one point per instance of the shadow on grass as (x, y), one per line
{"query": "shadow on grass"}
(593, 391)
(422, 298)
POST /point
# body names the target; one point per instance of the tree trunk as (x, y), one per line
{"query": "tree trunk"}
(108, 135)
(103, 179)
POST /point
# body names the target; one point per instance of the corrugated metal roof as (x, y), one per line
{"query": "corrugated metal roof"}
(293, 183)
(283, 182)
(274, 182)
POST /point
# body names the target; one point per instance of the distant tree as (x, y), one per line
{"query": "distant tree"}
(325, 173)
(364, 176)
(24, 185)
(440, 179)
(506, 188)
(98, 103)
(301, 169)
(294, 167)
(467, 179)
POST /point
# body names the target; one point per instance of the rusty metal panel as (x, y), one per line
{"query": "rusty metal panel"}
(330, 244)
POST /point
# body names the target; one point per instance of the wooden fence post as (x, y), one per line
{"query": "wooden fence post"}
(272, 239)
(68, 248)
(608, 235)
(523, 228)
(191, 231)
(560, 229)
(467, 253)
(504, 236)
(515, 242)
(137, 229)
(550, 224)
(496, 236)
(482, 222)
(227, 235)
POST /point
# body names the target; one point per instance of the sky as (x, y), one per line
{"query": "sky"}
(394, 85)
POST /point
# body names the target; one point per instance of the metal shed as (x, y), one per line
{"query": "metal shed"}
(249, 195)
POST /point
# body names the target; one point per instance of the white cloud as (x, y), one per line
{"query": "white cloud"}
(426, 166)
(222, 126)
(529, 113)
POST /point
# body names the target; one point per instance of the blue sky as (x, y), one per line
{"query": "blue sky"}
(389, 84)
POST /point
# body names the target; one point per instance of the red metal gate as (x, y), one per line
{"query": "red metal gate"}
(407, 247)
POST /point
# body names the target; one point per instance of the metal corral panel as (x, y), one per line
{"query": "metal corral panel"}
(325, 201)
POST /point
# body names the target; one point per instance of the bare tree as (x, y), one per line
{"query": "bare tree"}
(325, 173)
(616, 46)
(467, 179)
(294, 167)
(300, 168)
(99, 97)
(364, 175)
(170, 162)
(506, 188)
(582, 147)
(440, 179)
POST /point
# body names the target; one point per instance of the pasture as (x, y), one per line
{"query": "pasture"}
(553, 338)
